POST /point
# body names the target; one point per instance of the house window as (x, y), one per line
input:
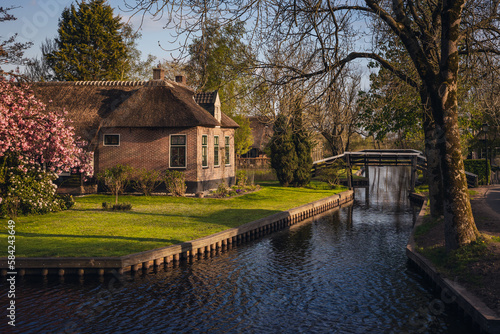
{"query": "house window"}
(204, 151)
(226, 142)
(177, 151)
(111, 140)
(216, 150)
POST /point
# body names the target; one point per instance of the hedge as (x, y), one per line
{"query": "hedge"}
(480, 167)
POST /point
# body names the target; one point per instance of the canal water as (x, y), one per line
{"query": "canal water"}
(343, 272)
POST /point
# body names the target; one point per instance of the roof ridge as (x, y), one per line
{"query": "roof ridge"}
(125, 83)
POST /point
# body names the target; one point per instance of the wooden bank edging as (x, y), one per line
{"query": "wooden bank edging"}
(186, 250)
(473, 307)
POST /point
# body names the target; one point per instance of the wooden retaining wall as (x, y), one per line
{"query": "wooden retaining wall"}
(187, 250)
(482, 318)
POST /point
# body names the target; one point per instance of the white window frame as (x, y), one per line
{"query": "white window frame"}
(170, 151)
(111, 134)
(218, 153)
(204, 146)
(227, 150)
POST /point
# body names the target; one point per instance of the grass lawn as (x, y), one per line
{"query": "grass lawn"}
(156, 221)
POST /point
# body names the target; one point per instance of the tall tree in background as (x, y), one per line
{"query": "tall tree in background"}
(283, 155)
(303, 145)
(219, 60)
(90, 45)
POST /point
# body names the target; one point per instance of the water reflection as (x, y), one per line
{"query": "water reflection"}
(344, 272)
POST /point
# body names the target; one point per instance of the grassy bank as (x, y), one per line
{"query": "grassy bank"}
(156, 221)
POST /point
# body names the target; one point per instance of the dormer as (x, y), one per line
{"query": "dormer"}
(210, 101)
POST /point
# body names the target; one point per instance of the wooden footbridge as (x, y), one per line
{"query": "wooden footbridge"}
(413, 158)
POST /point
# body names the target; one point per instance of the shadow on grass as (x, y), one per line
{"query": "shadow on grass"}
(44, 235)
(225, 217)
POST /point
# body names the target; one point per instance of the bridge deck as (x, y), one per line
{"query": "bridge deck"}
(413, 158)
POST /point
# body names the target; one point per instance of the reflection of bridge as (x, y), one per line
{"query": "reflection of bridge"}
(412, 158)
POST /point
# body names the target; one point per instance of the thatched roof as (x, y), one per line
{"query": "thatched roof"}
(262, 131)
(157, 103)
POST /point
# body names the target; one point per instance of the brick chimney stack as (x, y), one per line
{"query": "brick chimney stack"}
(158, 73)
(180, 79)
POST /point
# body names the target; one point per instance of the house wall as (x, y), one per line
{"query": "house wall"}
(212, 175)
(150, 148)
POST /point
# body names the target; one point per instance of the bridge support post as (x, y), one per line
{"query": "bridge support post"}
(348, 171)
(413, 178)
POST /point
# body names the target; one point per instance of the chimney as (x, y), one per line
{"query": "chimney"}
(180, 79)
(158, 73)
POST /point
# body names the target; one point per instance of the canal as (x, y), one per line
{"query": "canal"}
(343, 272)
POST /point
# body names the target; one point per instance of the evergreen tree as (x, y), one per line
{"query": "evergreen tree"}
(303, 147)
(90, 45)
(283, 156)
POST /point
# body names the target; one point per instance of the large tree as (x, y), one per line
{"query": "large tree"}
(433, 33)
(219, 59)
(90, 45)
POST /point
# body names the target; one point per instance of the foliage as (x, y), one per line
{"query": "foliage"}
(90, 45)
(241, 178)
(175, 182)
(219, 60)
(116, 207)
(116, 179)
(30, 192)
(145, 181)
(303, 148)
(480, 167)
(32, 137)
(67, 200)
(243, 138)
(222, 190)
(332, 174)
(33, 141)
(283, 155)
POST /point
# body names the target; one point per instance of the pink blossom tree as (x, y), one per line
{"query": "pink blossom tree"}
(33, 139)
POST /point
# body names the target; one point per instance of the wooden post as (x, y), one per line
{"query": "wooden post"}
(348, 171)
(413, 179)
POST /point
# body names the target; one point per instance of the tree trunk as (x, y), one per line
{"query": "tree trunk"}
(433, 173)
(460, 228)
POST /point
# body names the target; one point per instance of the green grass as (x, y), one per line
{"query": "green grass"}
(427, 224)
(455, 263)
(156, 221)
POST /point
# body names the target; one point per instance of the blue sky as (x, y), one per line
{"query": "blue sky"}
(38, 20)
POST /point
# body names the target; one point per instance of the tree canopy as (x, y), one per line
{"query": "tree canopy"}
(90, 44)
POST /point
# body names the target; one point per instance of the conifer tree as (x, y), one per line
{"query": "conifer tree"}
(283, 155)
(90, 45)
(303, 147)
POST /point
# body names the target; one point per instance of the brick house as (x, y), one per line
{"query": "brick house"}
(157, 124)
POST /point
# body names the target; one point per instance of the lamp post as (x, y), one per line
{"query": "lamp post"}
(485, 133)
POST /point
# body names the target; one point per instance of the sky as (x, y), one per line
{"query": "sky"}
(38, 20)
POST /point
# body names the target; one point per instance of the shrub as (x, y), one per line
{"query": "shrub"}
(222, 190)
(67, 201)
(241, 178)
(175, 182)
(117, 207)
(145, 181)
(331, 174)
(116, 179)
(479, 167)
(31, 192)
